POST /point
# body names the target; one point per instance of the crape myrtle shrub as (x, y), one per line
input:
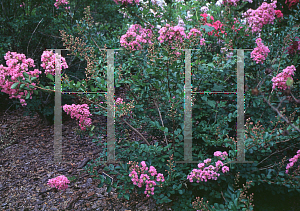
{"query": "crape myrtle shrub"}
(211, 120)
(157, 82)
(32, 28)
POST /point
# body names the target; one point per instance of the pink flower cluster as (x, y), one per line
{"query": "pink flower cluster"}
(264, 14)
(260, 53)
(210, 172)
(278, 14)
(292, 161)
(60, 182)
(138, 35)
(22, 5)
(172, 35)
(144, 178)
(61, 2)
(16, 65)
(119, 101)
(195, 33)
(81, 112)
(217, 25)
(126, 1)
(280, 80)
(48, 59)
(169, 33)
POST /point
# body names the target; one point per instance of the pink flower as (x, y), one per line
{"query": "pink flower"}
(219, 163)
(61, 2)
(160, 177)
(152, 170)
(135, 36)
(280, 80)
(208, 160)
(60, 182)
(14, 71)
(119, 101)
(201, 165)
(172, 36)
(278, 14)
(81, 113)
(225, 169)
(292, 162)
(260, 53)
(48, 62)
(264, 14)
(217, 154)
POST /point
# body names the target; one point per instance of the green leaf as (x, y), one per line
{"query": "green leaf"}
(15, 85)
(31, 87)
(230, 188)
(211, 103)
(92, 88)
(50, 77)
(109, 189)
(126, 196)
(33, 78)
(22, 86)
(25, 75)
(27, 96)
(111, 166)
(207, 28)
(289, 82)
(35, 92)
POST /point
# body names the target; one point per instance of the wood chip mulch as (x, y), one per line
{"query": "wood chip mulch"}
(27, 163)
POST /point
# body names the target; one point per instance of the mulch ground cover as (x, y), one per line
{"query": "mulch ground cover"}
(27, 163)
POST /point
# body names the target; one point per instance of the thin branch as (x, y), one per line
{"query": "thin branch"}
(49, 35)
(33, 33)
(136, 132)
(161, 120)
(274, 153)
(95, 42)
(223, 197)
(285, 119)
(281, 102)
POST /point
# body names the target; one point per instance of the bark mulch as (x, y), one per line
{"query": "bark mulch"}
(27, 163)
